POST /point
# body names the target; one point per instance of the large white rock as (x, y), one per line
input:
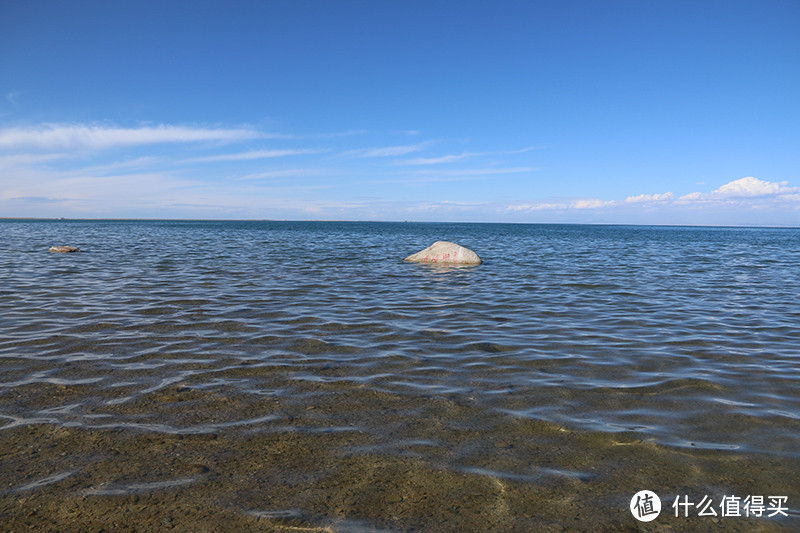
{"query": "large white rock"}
(64, 249)
(446, 252)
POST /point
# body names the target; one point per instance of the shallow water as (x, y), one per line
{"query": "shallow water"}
(536, 389)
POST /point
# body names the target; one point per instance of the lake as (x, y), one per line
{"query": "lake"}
(277, 376)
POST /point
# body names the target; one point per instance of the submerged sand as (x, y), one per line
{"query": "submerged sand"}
(273, 464)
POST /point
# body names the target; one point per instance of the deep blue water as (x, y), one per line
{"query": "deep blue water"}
(687, 336)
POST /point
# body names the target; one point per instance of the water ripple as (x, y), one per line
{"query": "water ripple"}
(681, 335)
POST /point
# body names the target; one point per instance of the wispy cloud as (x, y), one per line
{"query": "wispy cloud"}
(523, 150)
(252, 155)
(443, 206)
(87, 192)
(102, 169)
(421, 177)
(429, 176)
(388, 151)
(13, 97)
(10, 161)
(126, 165)
(348, 133)
(285, 173)
(437, 160)
(487, 171)
(449, 158)
(66, 163)
(65, 136)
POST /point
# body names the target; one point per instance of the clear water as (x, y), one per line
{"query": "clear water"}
(682, 337)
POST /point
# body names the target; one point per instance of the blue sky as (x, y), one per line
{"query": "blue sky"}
(664, 112)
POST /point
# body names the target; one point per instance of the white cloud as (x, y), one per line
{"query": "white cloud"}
(691, 197)
(593, 203)
(586, 203)
(61, 136)
(537, 207)
(745, 194)
(750, 186)
(642, 198)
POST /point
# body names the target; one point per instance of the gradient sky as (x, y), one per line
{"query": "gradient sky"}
(665, 112)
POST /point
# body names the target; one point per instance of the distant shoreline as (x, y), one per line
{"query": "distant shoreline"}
(610, 224)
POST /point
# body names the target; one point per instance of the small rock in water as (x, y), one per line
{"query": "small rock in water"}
(446, 252)
(64, 249)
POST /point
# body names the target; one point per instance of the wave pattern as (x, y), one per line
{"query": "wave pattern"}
(688, 337)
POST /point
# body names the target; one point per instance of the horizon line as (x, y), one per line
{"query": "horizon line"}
(125, 219)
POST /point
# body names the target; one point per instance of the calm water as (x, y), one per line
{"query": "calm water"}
(680, 338)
